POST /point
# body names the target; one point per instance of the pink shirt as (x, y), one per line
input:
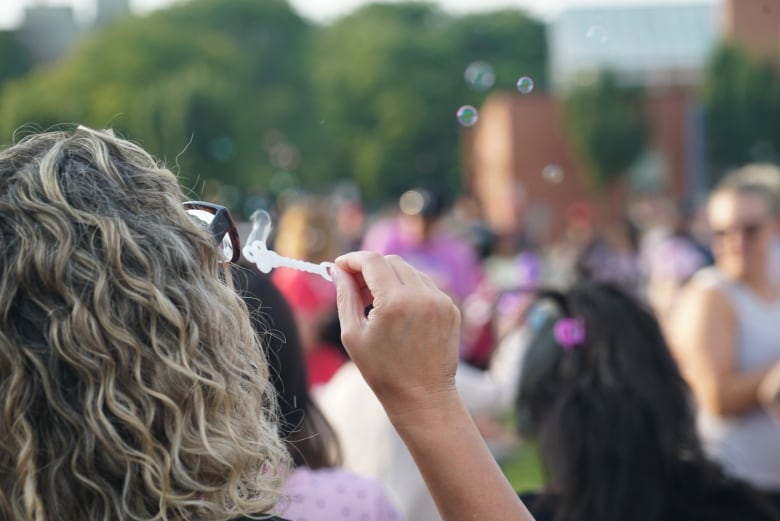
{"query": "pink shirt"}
(449, 261)
(335, 494)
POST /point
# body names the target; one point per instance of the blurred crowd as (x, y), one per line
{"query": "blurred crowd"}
(706, 276)
(149, 371)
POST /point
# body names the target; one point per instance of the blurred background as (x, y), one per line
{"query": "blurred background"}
(541, 130)
(250, 100)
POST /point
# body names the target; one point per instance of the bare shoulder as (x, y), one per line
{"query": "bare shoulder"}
(706, 300)
(702, 310)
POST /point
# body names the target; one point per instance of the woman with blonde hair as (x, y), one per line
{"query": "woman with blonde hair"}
(132, 383)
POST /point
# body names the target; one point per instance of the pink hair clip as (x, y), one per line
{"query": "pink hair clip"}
(569, 332)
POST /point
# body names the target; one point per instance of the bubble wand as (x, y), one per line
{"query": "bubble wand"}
(256, 251)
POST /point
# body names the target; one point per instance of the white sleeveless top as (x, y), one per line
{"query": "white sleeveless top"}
(748, 446)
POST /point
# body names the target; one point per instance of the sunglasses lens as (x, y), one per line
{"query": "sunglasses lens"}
(217, 226)
(750, 231)
(202, 217)
(226, 248)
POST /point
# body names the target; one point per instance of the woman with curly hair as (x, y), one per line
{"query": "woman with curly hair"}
(132, 383)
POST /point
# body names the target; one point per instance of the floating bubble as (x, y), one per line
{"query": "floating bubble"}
(597, 34)
(285, 156)
(525, 85)
(480, 76)
(411, 202)
(552, 173)
(467, 115)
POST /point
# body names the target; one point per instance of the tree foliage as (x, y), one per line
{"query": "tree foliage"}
(197, 84)
(15, 60)
(389, 80)
(608, 125)
(234, 93)
(741, 97)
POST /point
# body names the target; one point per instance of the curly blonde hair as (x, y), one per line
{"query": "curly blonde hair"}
(132, 385)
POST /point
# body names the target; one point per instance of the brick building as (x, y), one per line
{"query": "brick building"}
(520, 162)
(756, 25)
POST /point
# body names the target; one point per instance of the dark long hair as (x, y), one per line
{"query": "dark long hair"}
(614, 418)
(309, 437)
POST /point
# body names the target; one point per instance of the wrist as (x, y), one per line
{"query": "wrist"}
(425, 409)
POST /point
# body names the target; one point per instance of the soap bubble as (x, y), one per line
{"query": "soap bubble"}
(284, 156)
(525, 85)
(552, 173)
(411, 202)
(467, 115)
(480, 76)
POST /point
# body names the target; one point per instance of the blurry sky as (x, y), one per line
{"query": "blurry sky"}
(11, 11)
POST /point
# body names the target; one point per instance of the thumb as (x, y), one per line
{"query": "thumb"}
(348, 305)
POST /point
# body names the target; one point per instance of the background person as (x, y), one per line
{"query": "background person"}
(307, 232)
(766, 176)
(603, 397)
(724, 334)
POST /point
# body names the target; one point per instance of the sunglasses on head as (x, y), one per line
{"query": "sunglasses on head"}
(218, 221)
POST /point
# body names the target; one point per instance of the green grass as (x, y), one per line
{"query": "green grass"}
(523, 469)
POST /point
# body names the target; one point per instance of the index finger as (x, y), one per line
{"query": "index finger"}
(372, 267)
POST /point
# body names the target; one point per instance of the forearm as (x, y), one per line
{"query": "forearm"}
(460, 473)
(769, 390)
(735, 394)
(407, 350)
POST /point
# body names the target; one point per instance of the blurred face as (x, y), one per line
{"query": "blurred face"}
(742, 233)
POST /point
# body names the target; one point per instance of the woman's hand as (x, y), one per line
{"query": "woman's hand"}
(406, 346)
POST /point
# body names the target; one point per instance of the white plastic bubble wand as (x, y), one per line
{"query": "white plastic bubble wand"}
(256, 251)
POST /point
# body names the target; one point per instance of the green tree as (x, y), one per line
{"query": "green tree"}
(197, 84)
(741, 98)
(608, 126)
(242, 92)
(510, 41)
(195, 105)
(15, 61)
(389, 80)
